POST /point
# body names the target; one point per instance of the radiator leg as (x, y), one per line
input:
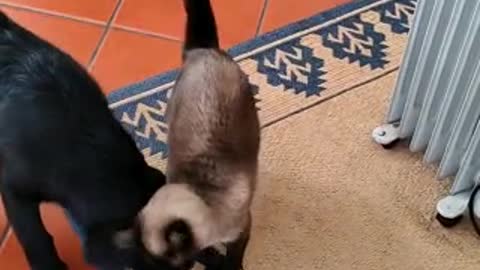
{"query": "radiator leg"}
(476, 205)
(387, 135)
(450, 209)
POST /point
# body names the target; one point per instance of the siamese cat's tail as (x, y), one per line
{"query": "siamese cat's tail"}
(201, 28)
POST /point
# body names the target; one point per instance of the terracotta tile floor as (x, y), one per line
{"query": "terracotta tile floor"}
(125, 41)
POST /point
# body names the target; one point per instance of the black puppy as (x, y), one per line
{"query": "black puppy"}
(59, 142)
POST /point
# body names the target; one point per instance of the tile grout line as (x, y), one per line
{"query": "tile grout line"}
(86, 20)
(53, 14)
(262, 17)
(104, 35)
(146, 33)
(4, 236)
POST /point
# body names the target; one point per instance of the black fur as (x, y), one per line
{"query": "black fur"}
(59, 142)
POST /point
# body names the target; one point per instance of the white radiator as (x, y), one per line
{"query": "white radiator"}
(436, 101)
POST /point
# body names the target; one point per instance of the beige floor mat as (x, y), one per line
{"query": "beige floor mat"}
(329, 198)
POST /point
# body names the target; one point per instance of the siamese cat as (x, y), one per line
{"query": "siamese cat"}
(213, 140)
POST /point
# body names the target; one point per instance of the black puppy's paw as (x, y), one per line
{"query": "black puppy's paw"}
(211, 259)
(59, 265)
(231, 266)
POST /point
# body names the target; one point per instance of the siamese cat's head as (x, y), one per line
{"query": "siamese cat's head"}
(174, 226)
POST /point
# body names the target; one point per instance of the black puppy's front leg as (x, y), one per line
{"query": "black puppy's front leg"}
(235, 253)
(236, 250)
(24, 216)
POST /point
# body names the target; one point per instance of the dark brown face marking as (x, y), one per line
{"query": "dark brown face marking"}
(180, 243)
(179, 237)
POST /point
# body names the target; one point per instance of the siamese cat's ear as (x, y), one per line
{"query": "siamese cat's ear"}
(124, 239)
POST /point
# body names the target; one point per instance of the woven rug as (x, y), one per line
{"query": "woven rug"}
(293, 68)
(356, 46)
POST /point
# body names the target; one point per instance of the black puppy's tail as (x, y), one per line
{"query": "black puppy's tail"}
(201, 28)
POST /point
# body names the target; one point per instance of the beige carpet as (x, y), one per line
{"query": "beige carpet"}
(330, 198)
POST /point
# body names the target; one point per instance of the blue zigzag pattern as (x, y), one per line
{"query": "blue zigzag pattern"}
(294, 57)
(396, 13)
(155, 145)
(351, 40)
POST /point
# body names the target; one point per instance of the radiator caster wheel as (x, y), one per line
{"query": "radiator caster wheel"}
(450, 210)
(390, 145)
(448, 222)
(387, 135)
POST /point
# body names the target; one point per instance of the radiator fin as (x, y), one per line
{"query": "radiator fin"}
(436, 99)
